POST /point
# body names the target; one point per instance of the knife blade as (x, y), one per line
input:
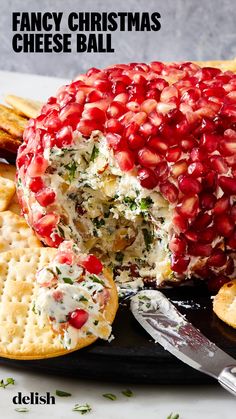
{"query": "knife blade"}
(168, 327)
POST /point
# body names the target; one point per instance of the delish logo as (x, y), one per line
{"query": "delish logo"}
(33, 398)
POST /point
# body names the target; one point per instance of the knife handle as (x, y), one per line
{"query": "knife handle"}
(227, 379)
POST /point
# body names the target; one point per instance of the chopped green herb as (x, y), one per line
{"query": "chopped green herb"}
(61, 393)
(58, 271)
(98, 223)
(95, 322)
(68, 281)
(34, 309)
(71, 167)
(119, 257)
(94, 154)
(82, 408)
(110, 396)
(127, 393)
(144, 297)
(145, 203)
(130, 202)
(148, 239)
(21, 409)
(61, 231)
(82, 298)
(94, 278)
(7, 383)
(173, 416)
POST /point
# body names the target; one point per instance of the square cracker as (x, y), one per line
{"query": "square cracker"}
(7, 191)
(12, 122)
(26, 107)
(15, 233)
(8, 171)
(9, 142)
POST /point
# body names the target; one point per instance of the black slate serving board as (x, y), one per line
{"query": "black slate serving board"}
(133, 356)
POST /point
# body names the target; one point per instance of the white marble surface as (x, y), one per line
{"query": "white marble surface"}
(151, 402)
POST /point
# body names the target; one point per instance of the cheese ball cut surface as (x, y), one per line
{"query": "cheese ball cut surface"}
(136, 163)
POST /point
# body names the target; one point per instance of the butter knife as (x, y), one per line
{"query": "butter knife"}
(168, 327)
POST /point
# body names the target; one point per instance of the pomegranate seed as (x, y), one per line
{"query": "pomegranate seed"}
(86, 127)
(135, 141)
(92, 264)
(222, 204)
(149, 105)
(173, 154)
(233, 212)
(231, 241)
(125, 160)
(53, 123)
(169, 191)
(188, 143)
(64, 136)
(229, 269)
(71, 113)
(214, 91)
(217, 259)
(113, 125)
(218, 164)
(158, 144)
(116, 109)
(224, 224)
(168, 93)
(94, 114)
(189, 185)
(162, 170)
(148, 129)
(147, 178)
(102, 85)
(197, 154)
(36, 184)
(191, 235)
(199, 249)
(216, 282)
(93, 96)
(207, 201)
(179, 264)
(115, 141)
(177, 245)
(147, 157)
(78, 318)
(228, 185)
(202, 220)
(179, 168)
(196, 169)
(209, 142)
(131, 129)
(208, 235)
(191, 96)
(45, 226)
(37, 166)
(180, 223)
(189, 206)
(209, 181)
(45, 197)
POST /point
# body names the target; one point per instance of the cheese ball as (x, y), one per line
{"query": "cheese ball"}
(136, 164)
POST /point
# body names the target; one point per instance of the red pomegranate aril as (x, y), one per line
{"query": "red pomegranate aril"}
(233, 212)
(169, 191)
(202, 220)
(196, 169)
(209, 181)
(45, 226)
(217, 259)
(45, 197)
(191, 96)
(197, 154)
(180, 223)
(209, 142)
(87, 126)
(178, 245)
(113, 125)
(224, 224)
(148, 129)
(94, 114)
(102, 85)
(116, 109)
(218, 164)
(207, 201)
(149, 105)
(125, 160)
(189, 185)
(208, 235)
(231, 240)
(36, 184)
(222, 205)
(52, 123)
(189, 206)
(206, 126)
(92, 264)
(216, 282)
(179, 168)
(199, 249)
(148, 157)
(191, 235)
(173, 154)
(162, 170)
(229, 269)
(228, 185)
(168, 93)
(214, 91)
(93, 96)
(158, 144)
(38, 166)
(179, 264)
(116, 141)
(147, 178)
(188, 143)
(71, 110)
(78, 318)
(64, 136)
(135, 141)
